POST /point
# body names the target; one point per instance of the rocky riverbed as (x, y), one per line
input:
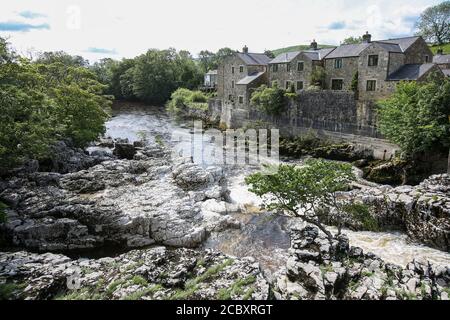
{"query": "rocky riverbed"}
(183, 231)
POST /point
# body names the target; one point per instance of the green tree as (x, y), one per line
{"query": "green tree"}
(207, 60)
(27, 125)
(434, 23)
(416, 116)
(352, 40)
(270, 54)
(304, 191)
(318, 76)
(61, 57)
(270, 100)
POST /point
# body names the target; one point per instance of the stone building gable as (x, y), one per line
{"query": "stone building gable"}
(418, 52)
(296, 70)
(233, 70)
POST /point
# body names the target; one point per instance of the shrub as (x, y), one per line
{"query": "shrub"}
(272, 100)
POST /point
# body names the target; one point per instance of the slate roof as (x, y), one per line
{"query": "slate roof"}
(442, 59)
(348, 50)
(404, 43)
(318, 54)
(411, 72)
(392, 45)
(250, 78)
(254, 59)
(285, 57)
(312, 54)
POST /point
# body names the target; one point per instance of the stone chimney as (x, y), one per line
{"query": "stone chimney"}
(313, 45)
(367, 38)
(245, 49)
(440, 51)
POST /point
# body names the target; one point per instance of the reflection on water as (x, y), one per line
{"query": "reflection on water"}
(263, 236)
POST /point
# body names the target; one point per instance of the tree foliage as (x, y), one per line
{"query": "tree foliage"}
(271, 100)
(416, 116)
(150, 77)
(210, 61)
(318, 76)
(352, 40)
(44, 101)
(303, 191)
(434, 23)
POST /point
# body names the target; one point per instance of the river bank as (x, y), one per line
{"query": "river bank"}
(153, 200)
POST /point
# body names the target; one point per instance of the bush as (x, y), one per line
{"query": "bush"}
(185, 98)
(416, 116)
(271, 101)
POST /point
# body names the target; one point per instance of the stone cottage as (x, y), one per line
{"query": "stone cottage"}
(239, 74)
(378, 66)
(296, 68)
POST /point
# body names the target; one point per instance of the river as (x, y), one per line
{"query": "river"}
(263, 236)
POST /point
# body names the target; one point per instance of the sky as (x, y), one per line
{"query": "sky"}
(97, 29)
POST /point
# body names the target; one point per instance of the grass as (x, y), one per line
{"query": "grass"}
(141, 293)
(192, 285)
(7, 290)
(445, 47)
(237, 289)
(139, 281)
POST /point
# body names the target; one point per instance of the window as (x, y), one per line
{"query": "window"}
(241, 69)
(232, 84)
(300, 66)
(230, 97)
(241, 99)
(299, 85)
(337, 84)
(275, 83)
(275, 68)
(427, 59)
(373, 60)
(288, 85)
(371, 85)
(232, 70)
(338, 63)
(288, 67)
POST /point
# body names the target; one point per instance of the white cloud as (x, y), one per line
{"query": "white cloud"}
(133, 26)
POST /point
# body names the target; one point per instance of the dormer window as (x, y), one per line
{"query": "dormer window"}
(241, 69)
(373, 60)
(300, 66)
(338, 63)
(275, 68)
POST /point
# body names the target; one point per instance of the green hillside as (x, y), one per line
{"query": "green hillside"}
(297, 48)
(445, 47)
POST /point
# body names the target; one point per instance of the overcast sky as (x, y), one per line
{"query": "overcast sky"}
(117, 28)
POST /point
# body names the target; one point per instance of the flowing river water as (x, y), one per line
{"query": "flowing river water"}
(263, 235)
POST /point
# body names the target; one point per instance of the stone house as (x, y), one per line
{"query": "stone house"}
(378, 65)
(443, 61)
(296, 68)
(239, 74)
